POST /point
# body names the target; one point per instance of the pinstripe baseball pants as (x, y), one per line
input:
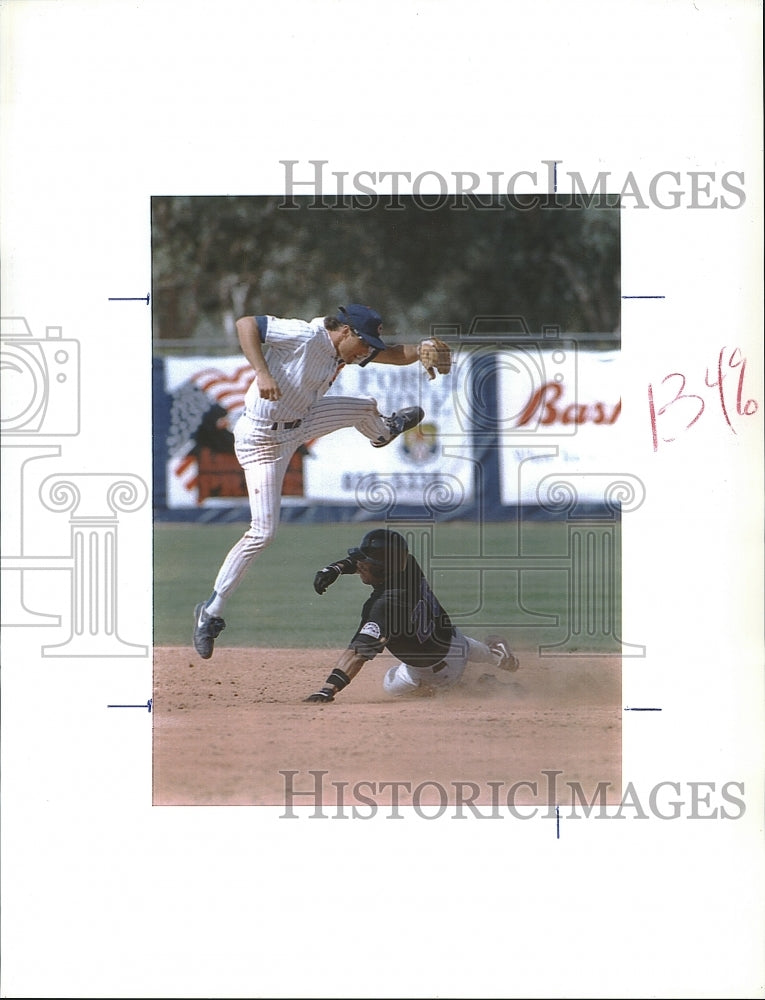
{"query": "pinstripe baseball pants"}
(264, 455)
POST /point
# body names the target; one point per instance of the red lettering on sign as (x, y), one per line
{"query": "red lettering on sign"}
(546, 398)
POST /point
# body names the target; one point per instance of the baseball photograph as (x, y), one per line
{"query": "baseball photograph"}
(450, 445)
(382, 499)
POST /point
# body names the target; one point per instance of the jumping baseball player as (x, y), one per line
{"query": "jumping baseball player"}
(403, 615)
(295, 363)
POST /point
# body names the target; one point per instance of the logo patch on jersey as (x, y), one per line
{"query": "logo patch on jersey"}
(371, 628)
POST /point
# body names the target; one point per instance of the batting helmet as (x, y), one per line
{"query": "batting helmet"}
(383, 548)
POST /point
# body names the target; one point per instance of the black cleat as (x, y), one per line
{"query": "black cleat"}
(207, 628)
(398, 423)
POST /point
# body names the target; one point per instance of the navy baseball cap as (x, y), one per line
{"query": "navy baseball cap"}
(366, 322)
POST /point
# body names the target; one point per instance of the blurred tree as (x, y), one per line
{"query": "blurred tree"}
(216, 258)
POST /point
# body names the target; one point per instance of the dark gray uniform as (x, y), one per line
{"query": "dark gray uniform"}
(403, 615)
(404, 611)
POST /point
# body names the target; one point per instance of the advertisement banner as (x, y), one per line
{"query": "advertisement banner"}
(205, 397)
(416, 468)
(559, 425)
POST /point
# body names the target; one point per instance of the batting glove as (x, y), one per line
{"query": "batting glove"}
(327, 576)
(326, 694)
(336, 681)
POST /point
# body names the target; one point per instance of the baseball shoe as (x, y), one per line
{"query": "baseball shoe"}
(207, 628)
(403, 420)
(506, 659)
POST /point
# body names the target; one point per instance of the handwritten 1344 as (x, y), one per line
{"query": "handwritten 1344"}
(680, 410)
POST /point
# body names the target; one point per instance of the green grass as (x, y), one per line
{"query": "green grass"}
(472, 572)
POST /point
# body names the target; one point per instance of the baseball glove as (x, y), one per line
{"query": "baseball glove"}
(435, 356)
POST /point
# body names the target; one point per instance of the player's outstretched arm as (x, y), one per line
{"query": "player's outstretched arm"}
(252, 348)
(398, 354)
(348, 665)
(434, 355)
(326, 577)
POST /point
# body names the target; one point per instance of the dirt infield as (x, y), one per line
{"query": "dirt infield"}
(224, 729)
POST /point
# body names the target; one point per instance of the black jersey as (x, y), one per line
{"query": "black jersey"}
(405, 616)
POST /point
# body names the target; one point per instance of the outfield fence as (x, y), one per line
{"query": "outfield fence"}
(515, 431)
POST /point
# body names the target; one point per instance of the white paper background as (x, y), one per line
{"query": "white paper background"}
(108, 103)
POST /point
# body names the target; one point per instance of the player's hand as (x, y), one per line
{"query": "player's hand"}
(435, 356)
(325, 578)
(267, 386)
(326, 694)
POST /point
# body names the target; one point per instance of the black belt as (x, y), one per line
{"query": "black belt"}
(287, 425)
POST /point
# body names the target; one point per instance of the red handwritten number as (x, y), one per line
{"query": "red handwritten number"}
(750, 406)
(680, 394)
(743, 408)
(719, 386)
(652, 411)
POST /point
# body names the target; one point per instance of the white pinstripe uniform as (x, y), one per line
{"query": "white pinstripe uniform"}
(303, 361)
